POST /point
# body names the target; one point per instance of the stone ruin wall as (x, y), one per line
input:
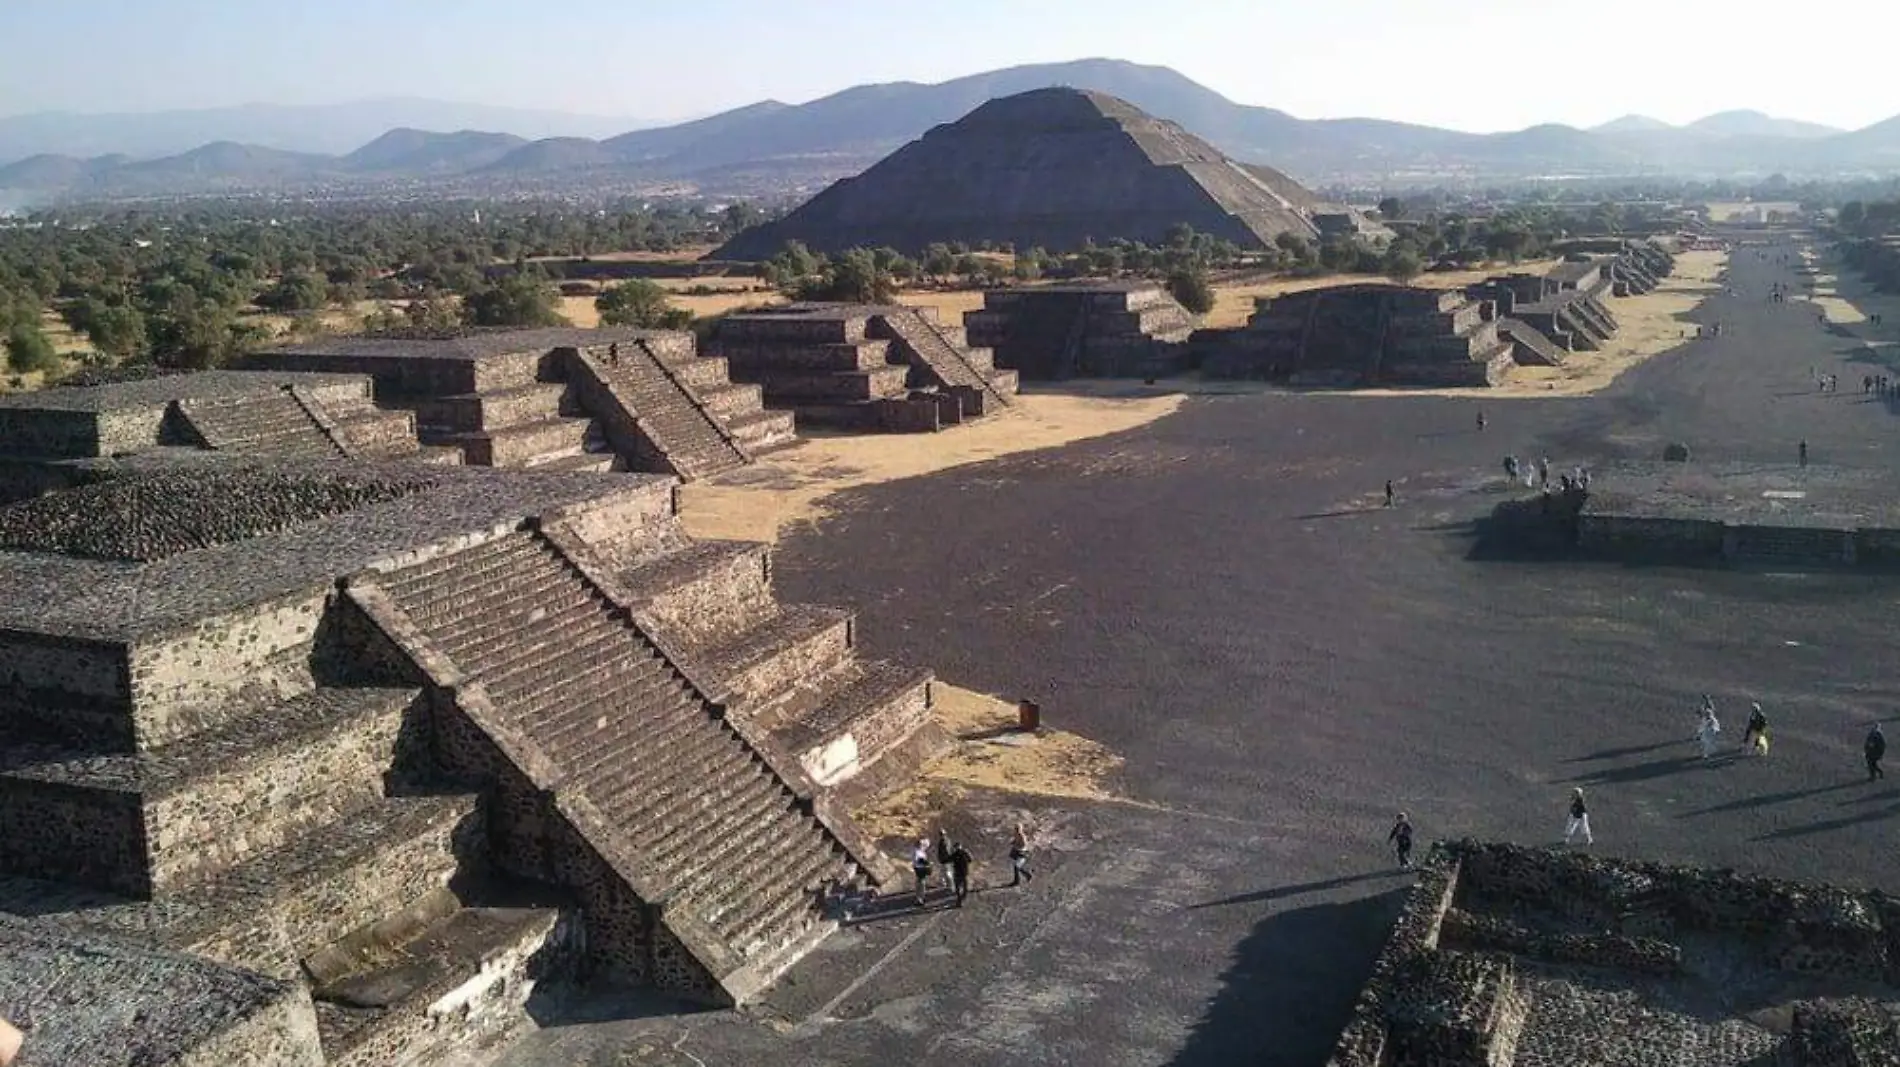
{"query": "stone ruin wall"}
(1623, 535)
(1805, 929)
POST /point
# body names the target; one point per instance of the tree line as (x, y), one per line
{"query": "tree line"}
(173, 287)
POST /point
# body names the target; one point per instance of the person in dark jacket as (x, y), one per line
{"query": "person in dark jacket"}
(920, 866)
(1401, 839)
(1579, 818)
(1874, 748)
(1755, 737)
(959, 865)
(943, 855)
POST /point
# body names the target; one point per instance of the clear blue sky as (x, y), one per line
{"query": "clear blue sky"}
(1467, 64)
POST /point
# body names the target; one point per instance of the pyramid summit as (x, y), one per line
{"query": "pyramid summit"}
(1054, 168)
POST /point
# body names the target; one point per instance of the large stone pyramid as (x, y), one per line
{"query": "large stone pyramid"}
(1049, 167)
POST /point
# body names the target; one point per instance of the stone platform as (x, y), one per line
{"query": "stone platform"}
(1097, 329)
(1364, 335)
(615, 398)
(411, 740)
(1743, 515)
(1505, 954)
(863, 366)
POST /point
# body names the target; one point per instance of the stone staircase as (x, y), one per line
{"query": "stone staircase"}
(702, 825)
(523, 416)
(792, 673)
(270, 425)
(294, 422)
(1532, 348)
(668, 418)
(286, 835)
(738, 407)
(941, 363)
(366, 431)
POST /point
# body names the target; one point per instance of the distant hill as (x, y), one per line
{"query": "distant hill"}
(773, 148)
(1632, 124)
(1756, 124)
(329, 129)
(411, 151)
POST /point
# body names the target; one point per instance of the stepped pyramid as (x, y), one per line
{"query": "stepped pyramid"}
(863, 366)
(317, 745)
(1054, 168)
(578, 400)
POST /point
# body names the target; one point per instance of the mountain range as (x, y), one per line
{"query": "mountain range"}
(794, 148)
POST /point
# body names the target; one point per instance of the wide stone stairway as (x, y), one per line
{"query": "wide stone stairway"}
(941, 359)
(667, 417)
(703, 825)
(559, 399)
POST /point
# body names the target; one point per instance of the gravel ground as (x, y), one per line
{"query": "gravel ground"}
(1285, 664)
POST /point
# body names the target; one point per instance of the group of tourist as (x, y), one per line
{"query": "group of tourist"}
(1708, 728)
(1538, 475)
(953, 862)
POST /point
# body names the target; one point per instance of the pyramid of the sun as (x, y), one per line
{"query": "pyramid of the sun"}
(1054, 168)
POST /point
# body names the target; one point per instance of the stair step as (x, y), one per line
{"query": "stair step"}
(761, 430)
(794, 643)
(793, 901)
(205, 803)
(278, 906)
(520, 445)
(877, 688)
(732, 399)
(462, 984)
(581, 463)
(712, 805)
(705, 593)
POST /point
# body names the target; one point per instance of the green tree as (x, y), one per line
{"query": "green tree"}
(118, 330)
(1392, 208)
(1189, 286)
(852, 278)
(1402, 263)
(642, 303)
(302, 291)
(28, 349)
(516, 299)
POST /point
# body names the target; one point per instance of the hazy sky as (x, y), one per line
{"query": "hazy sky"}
(1469, 64)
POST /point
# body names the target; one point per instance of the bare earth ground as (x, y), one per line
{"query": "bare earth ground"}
(1213, 598)
(787, 488)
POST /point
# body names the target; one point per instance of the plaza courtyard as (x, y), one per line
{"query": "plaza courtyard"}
(1220, 598)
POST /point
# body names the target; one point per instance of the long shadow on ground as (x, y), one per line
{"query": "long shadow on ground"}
(1284, 998)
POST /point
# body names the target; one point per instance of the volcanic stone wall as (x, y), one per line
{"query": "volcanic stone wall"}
(1442, 991)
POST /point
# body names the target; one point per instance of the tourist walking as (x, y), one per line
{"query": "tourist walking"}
(943, 855)
(1401, 840)
(959, 865)
(1705, 732)
(1019, 857)
(920, 866)
(1755, 737)
(1873, 749)
(1579, 818)
(1804, 452)
(1388, 492)
(1480, 421)
(1543, 471)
